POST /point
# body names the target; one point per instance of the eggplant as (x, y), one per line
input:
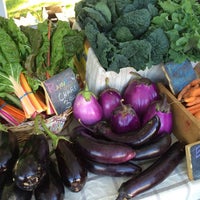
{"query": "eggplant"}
(155, 148)
(115, 170)
(3, 177)
(51, 187)
(32, 163)
(154, 174)
(135, 138)
(101, 150)
(11, 191)
(9, 150)
(72, 170)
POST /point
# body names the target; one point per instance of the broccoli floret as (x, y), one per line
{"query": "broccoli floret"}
(160, 45)
(123, 34)
(137, 21)
(138, 52)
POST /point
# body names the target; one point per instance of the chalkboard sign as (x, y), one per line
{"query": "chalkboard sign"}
(61, 90)
(193, 160)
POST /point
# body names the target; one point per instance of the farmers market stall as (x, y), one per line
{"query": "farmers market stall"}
(104, 106)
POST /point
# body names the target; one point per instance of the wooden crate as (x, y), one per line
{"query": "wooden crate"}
(186, 127)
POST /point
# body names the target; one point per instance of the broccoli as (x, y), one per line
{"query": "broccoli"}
(160, 45)
(137, 21)
(138, 52)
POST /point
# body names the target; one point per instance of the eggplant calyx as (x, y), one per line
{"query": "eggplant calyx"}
(86, 93)
(163, 105)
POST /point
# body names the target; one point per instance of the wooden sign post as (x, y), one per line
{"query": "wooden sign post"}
(61, 90)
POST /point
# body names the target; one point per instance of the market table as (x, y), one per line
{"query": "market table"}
(177, 185)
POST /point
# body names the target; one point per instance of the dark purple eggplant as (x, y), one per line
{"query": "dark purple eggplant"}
(101, 150)
(32, 163)
(11, 191)
(154, 174)
(51, 187)
(155, 148)
(135, 138)
(9, 150)
(3, 177)
(115, 170)
(73, 172)
(71, 169)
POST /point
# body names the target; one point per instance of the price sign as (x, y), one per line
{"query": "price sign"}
(61, 89)
(193, 160)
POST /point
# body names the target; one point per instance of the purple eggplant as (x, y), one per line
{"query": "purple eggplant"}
(3, 177)
(109, 99)
(163, 110)
(102, 151)
(71, 168)
(9, 150)
(124, 119)
(11, 191)
(139, 93)
(134, 138)
(154, 174)
(115, 170)
(51, 186)
(32, 163)
(155, 148)
(86, 107)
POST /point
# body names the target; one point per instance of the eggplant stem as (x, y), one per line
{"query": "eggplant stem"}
(53, 137)
(82, 124)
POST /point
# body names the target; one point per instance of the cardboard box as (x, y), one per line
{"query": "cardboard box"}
(186, 127)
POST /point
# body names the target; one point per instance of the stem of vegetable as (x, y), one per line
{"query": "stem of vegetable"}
(54, 138)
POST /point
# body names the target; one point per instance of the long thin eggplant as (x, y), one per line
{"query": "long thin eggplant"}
(115, 170)
(32, 163)
(136, 138)
(101, 150)
(155, 148)
(154, 174)
(9, 150)
(51, 187)
(71, 168)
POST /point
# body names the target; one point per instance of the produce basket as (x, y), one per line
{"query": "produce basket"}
(39, 77)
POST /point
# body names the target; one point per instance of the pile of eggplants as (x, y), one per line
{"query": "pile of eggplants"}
(132, 127)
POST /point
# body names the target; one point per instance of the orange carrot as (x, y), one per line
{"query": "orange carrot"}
(193, 83)
(194, 108)
(193, 101)
(30, 94)
(195, 92)
(197, 114)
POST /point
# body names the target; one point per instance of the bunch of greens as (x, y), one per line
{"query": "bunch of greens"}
(120, 32)
(180, 20)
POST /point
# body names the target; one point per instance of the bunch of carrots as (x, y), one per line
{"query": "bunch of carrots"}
(190, 97)
(32, 104)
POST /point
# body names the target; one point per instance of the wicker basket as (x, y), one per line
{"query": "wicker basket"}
(55, 124)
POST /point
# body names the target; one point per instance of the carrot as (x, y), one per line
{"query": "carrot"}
(197, 114)
(195, 92)
(194, 108)
(193, 83)
(27, 106)
(30, 94)
(192, 101)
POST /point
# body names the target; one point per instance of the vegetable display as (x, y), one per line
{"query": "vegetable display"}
(29, 56)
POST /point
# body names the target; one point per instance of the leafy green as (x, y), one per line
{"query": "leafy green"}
(180, 20)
